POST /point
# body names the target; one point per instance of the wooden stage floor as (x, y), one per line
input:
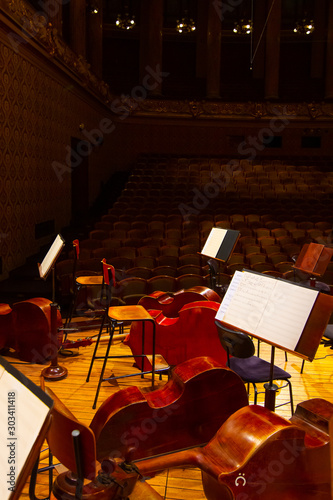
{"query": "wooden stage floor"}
(177, 484)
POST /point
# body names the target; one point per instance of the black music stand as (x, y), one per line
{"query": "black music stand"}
(219, 246)
(54, 371)
(279, 312)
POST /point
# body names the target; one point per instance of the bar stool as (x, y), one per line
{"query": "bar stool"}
(117, 315)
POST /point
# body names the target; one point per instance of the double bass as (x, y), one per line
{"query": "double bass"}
(189, 333)
(258, 455)
(25, 327)
(133, 425)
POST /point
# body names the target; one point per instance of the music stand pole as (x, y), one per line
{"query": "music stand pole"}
(54, 371)
(270, 388)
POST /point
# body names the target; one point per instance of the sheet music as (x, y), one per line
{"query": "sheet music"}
(214, 241)
(271, 309)
(51, 255)
(21, 419)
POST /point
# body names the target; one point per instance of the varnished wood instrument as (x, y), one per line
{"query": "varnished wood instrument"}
(199, 396)
(171, 303)
(25, 327)
(190, 334)
(258, 455)
(187, 411)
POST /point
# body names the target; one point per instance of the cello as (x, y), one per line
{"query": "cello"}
(199, 396)
(258, 455)
(25, 327)
(130, 425)
(171, 303)
(190, 333)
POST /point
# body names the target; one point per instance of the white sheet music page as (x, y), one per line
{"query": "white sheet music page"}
(51, 256)
(286, 314)
(214, 241)
(21, 419)
(274, 310)
(248, 300)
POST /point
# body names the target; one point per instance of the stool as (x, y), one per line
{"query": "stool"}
(121, 314)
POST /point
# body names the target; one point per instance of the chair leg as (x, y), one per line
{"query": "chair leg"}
(33, 478)
(291, 397)
(113, 326)
(255, 398)
(72, 307)
(96, 345)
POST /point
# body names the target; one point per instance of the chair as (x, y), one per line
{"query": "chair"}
(82, 278)
(252, 369)
(164, 271)
(189, 269)
(167, 260)
(139, 272)
(186, 281)
(131, 289)
(162, 283)
(73, 443)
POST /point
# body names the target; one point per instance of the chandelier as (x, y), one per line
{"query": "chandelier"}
(304, 27)
(126, 21)
(243, 27)
(186, 24)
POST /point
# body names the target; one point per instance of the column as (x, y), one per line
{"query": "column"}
(258, 47)
(201, 44)
(78, 27)
(94, 47)
(214, 34)
(318, 42)
(273, 50)
(151, 40)
(329, 54)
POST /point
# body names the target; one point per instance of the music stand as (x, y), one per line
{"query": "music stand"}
(54, 371)
(313, 260)
(219, 246)
(49, 261)
(24, 422)
(279, 312)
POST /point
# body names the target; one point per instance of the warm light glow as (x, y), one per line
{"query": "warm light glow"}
(243, 27)
(186, 25)
(125, 22)
(304, 27)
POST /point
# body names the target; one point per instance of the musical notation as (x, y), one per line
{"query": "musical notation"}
(274, 310)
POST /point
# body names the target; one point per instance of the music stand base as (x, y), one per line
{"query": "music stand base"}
(55, 372)
(270, 395)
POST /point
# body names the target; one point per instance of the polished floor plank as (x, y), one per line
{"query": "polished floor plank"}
(177, 484)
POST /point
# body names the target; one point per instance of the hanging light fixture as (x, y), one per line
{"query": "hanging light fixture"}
(304, 27)
(125, 21)
(93, 8)
(243, 27)
(186, 24)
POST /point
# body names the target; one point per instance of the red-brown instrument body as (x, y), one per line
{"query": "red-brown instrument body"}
(199, 396)
(171, 303)
(31, 330)
(190, 334)
(258, 455)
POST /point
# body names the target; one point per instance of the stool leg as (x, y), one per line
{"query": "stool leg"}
(96, 347)
(113, 326)
(72, 307)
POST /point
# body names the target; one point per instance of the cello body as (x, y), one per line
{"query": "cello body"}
(32, 330)
(258, 455)
(190, 334)
(187, 411)
(25, 327)
(171, 303)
